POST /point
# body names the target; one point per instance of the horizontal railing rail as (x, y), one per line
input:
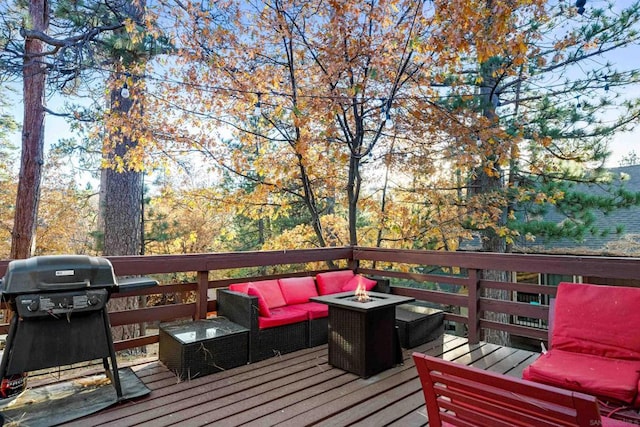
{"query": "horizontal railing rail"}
(453, 280)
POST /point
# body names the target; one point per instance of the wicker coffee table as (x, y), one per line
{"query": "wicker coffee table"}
(418, 325)
(362, 335)
(194, 349)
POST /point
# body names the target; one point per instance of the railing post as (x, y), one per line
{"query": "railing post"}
(473, 304)
(202, 295)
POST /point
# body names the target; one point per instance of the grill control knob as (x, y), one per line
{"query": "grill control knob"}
(93, 300)
(34, 305)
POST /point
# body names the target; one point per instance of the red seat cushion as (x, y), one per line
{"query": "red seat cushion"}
(298, 290)
(315, 310)
(270, 290)
(332, 282)
(282, 316)
(597, 319)
(263, 308)
(353, 283)
(603, 377)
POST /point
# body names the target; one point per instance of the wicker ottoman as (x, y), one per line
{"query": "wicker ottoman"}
(418, 325)
(194, 349)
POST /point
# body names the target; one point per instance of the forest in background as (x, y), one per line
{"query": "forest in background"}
(230, 126)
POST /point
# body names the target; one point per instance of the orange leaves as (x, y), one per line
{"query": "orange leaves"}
(322, 72)
(487, 28)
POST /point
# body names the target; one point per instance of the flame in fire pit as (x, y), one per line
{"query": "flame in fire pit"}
(361, 293)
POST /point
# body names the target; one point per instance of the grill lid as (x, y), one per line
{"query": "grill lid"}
(58, 273)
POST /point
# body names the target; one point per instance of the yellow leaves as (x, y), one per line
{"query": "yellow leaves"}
(521, 45)
(129, 25)
(540, 198)
(490, 169)
(555, 197)
(193, 221)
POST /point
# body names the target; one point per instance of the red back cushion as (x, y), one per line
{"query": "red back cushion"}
(239, 287)
(271, 293)
(332, 282)
(298, 290)
(596, 319)
(263, 308)
(352, 284)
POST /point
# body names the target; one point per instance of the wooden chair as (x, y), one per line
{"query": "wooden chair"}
(461, 395)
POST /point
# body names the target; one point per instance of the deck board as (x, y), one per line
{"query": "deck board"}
(298, 389)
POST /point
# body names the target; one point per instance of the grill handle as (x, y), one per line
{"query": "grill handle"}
(63, 286)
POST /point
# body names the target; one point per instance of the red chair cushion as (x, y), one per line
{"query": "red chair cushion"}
(263, 308)
(353, 283)
(282, 316)
(298, 290)
(315, 310)
(332, 282)
(239, 287)
(271, 292)
(598, 320)
(602, 377)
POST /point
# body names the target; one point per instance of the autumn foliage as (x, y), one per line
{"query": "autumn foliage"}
(290, 124)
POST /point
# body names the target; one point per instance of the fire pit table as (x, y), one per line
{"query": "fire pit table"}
(362, 334)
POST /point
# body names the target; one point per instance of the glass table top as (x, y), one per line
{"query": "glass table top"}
(199, 330)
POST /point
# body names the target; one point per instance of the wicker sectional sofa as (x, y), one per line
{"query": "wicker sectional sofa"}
(278, 313)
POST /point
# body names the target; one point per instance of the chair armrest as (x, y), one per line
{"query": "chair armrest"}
(383, 285)
(238, 307)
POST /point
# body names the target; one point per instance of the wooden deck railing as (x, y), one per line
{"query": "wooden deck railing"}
(461, 273)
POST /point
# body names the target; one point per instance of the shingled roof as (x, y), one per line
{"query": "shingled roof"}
(605, 240)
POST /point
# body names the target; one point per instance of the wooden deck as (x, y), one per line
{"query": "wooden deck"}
(298, 389)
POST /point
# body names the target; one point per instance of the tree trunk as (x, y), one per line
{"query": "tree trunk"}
(353, 194)
(122, 212)
(121, 208)
(122, 198)
(312, 205)
(122, 201)
(486, 184)
(32, 158)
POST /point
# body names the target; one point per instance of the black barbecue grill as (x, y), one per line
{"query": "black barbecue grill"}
(60, 316)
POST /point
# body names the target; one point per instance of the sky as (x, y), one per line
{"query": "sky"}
(623, 143)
